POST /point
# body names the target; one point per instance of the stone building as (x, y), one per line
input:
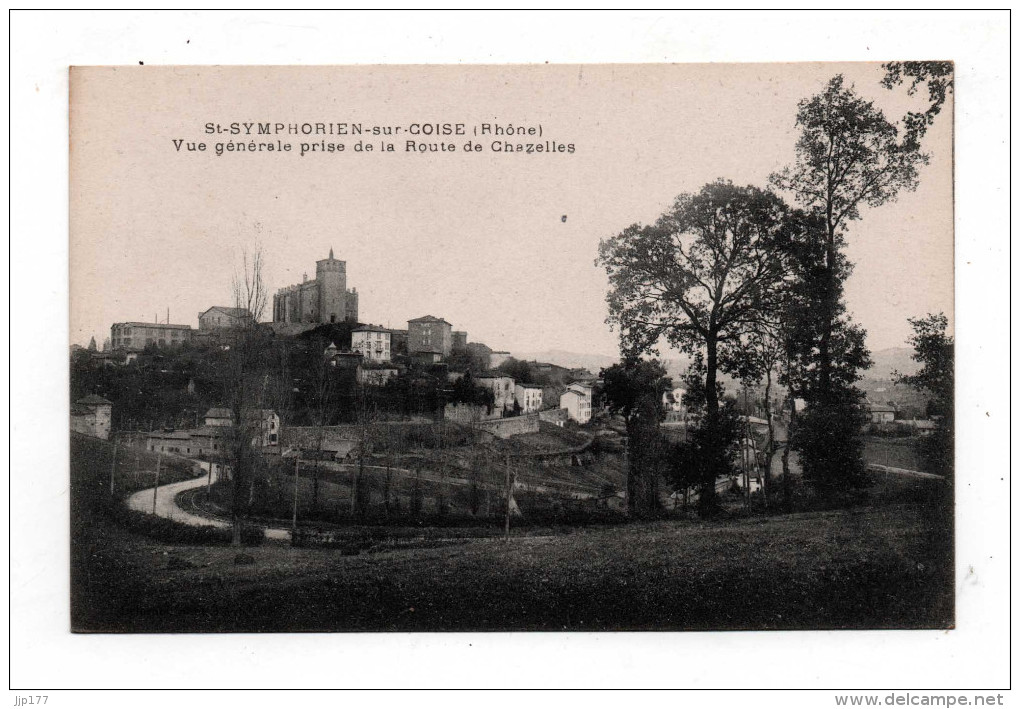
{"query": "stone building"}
(92, 416)
(265, 422)
(324, 300)
(220, 317)
(460, 341)
(502, 388)
(430, 337)
(134, 336)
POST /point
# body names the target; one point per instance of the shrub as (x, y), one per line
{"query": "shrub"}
(167, 530)
(252, 535)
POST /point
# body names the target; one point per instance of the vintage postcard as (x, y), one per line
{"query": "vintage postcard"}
(516, 347)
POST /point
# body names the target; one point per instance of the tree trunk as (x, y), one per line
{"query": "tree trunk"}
(787, 480)
(769, 452)
(830, 298)
(711, 364)
(707, 500)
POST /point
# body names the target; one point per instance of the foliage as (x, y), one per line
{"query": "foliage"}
(631, 383)
(695, 277)
(466, 391)
(700, 278)
(934, 350)
(848, 156)
(468, 360)
(168, 531)
(633, 389)
(829, 438)
(516, 368)
(704, 456)
(938, 76)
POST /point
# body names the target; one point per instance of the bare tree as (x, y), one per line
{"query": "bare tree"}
(248, 388)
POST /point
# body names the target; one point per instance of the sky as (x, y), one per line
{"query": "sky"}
(501, 245)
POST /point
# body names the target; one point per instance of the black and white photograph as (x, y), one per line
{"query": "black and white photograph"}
(650, 351)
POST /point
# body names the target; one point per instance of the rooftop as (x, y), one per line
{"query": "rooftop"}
(429, 318)
(161, 325)
(232, 312)
(94, 400)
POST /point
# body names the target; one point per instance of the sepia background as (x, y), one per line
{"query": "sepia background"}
(500, 245)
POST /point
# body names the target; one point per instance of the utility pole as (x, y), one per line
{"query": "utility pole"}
(155, 490)
(113, 466)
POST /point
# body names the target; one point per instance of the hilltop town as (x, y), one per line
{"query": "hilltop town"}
(325, 311)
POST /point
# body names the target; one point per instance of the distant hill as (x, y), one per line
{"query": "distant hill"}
(571, 360)
(889, 360)
(593, 362)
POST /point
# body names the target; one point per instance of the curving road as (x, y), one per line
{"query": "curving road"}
(166, 506)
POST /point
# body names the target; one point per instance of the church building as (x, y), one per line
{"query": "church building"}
(324, 300)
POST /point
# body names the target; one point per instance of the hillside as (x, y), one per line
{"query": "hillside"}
(594, 362)
(892, 359)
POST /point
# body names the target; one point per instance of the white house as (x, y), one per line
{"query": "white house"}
(373, 341)
(577, 401)
(528, 397)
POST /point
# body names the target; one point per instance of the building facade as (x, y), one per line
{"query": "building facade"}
(373, 341)
(92, 416)
(460, 341)
(265, 421)
(429, 335)
(577, 400)
(324, 300)
(220, 317)
(529, 397)
(134, 336)
(881, 413)
(502, 388)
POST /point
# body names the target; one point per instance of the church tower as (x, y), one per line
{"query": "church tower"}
(331, 276)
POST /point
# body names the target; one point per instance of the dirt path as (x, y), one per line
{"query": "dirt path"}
(166, 506)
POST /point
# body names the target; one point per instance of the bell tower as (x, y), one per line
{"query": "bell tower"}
(331, 276)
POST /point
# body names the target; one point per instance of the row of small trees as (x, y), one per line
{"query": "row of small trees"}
(751, 285)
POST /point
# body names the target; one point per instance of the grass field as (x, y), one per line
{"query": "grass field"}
(893, 452)
(880, 564)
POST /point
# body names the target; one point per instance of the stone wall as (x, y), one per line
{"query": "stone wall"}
(469, 413)
(513, 426)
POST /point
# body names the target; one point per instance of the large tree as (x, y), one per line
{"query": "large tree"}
(848, 156)
(249, 386)
(697, 278)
